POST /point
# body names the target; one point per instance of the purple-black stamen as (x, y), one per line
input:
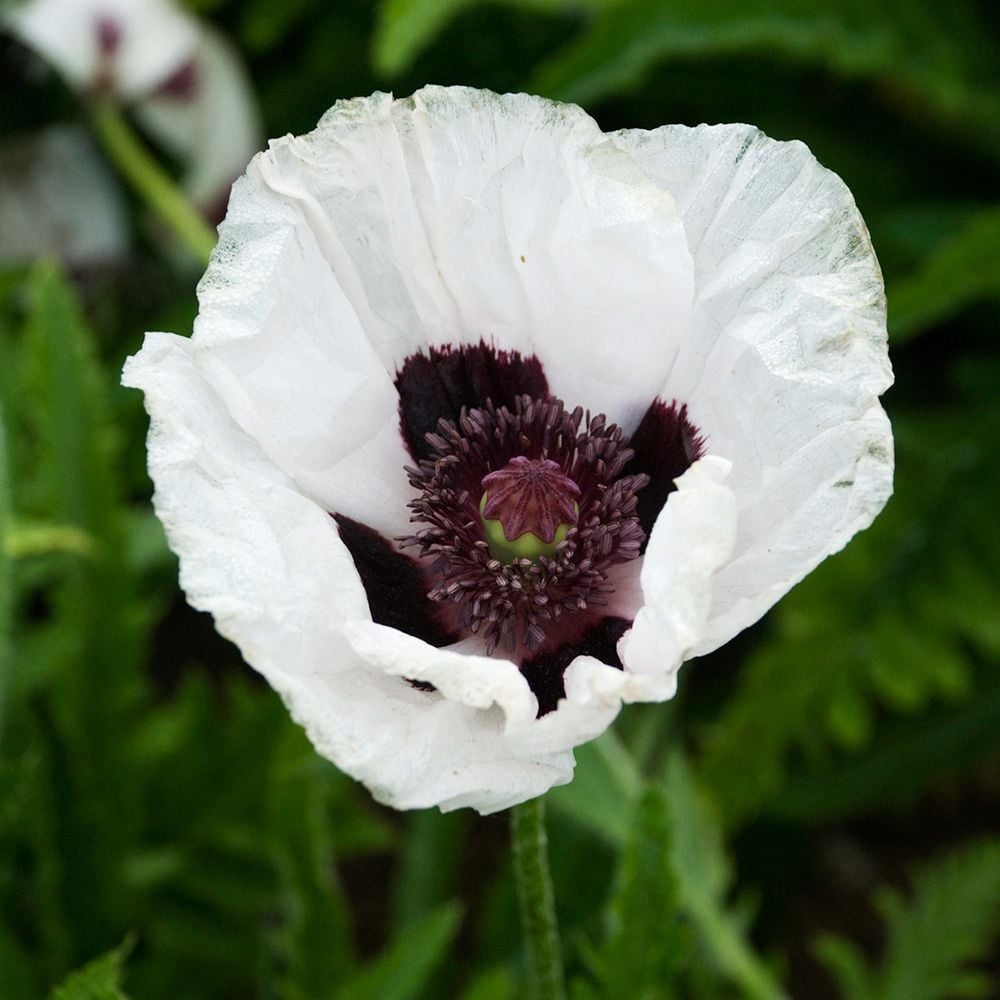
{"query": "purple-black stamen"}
(469, 415)
(516, 604)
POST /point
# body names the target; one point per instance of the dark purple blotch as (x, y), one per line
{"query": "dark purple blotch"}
(666, 444)
(545, 671)
(182, 84)
(109, 35)
(394, 584)
(440, 383)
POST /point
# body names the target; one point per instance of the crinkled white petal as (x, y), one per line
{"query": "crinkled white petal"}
(156, 38)
(488, 682)
(278, 340)
(57, 196)
(786, 354)
(216, 129)
(460, 215)
(393, 226)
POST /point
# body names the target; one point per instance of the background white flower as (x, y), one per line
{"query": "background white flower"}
(130, 47)
(184, 81)
(713, 267)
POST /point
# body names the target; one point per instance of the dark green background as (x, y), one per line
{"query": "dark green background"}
(816, 812)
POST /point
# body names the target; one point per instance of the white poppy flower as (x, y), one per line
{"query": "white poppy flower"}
(423, 284)
(184, 82)
(129, 47)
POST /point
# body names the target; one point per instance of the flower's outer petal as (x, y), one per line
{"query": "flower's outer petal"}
(212, 124)
(493, 685)
(57, 196)
(459, 215)
(153, 38)
(787, 352)
(475, 752)
(531, 754)
(269, 565)
(278, 341)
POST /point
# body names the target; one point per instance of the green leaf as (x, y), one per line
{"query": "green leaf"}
(99, 980)
(963, 270)
(255, 827)
(404, 969)
(24, 540)
(905, 758)
(407, 27)
(935, 57)
(421, 886)
(19, 970)
(84, 653)
(605, 787)
(6, 579)
(264, 25)
(647, 940)
(494, 984)
(69, 409)
(950, 921)
(703, 875)
(846, 961)
(316, 935)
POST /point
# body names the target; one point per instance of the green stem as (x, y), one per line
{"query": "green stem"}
(152, 182)
(536, 899)
(6, 582)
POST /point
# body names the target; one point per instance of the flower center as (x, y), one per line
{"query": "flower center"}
(528, 508)
(523, 511)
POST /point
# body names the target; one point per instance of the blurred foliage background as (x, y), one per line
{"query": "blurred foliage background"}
(816, 813)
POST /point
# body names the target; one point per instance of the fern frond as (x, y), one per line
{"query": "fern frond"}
(949, 922)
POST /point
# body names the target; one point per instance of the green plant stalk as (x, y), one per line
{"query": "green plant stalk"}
(536, 900)
(150, 180)
(6, 581)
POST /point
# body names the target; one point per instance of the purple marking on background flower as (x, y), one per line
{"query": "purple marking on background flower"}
(440, 383)
(182, 84)
(109, 35)
(394, 584)
(214, 210)
(545, 671)
(666, 445)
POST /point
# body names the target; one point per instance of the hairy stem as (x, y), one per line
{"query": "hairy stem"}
(536, 899)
